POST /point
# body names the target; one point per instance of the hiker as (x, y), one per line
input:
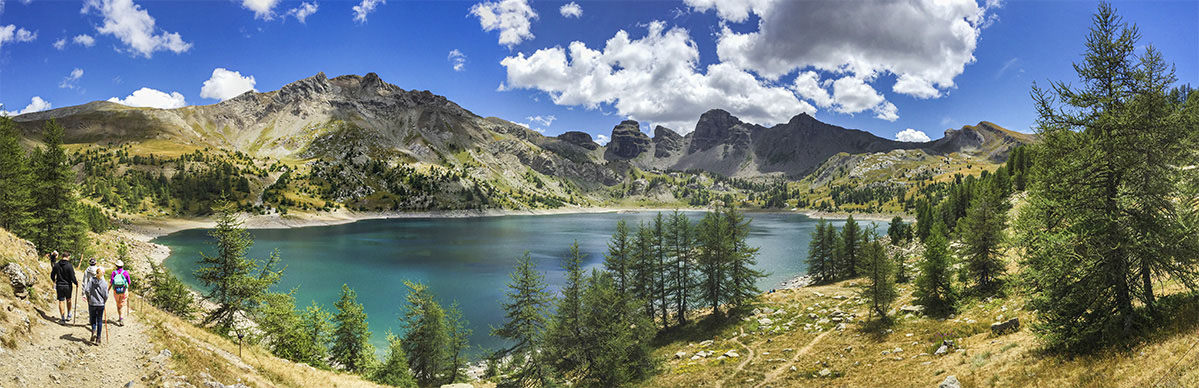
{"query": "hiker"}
(90, 273)
(53, 255)
(63, 276)
(97, 295)
(121, 282)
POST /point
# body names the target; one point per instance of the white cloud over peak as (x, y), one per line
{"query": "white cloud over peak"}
(37, 104)
(263, 9)
(602, 139)
(302, 12)
(912, 135)
(655, 78)
(513, 18)
(457, 60)
(809, 86)
(134, 27)
(152, 98)
(70, 81)
(924, 43)
(84, 40)
(543, 120)
(364, 8)
(225, 84)
(12, 34)
(571, 10)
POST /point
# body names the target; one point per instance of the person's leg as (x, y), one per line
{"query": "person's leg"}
(93, 322)
(120, 305)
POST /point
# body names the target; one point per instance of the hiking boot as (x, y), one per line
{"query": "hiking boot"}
(121, 322)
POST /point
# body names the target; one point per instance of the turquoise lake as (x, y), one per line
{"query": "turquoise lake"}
(461, 259)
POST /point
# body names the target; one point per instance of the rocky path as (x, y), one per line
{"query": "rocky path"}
(61, 355)
(749, 357)
(774, 374)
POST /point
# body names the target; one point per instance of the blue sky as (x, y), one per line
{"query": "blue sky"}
(882, 67)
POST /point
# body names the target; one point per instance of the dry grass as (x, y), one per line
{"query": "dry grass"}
(855, 356)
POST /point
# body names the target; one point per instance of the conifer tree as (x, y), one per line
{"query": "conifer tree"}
(459, 333)
(1103, 217)
(898, 231)
(879, 290)
(661, 271)
(848, 251)
(643, 269)
(714, 248)
(351, 347)
(318, 324)
(616, 336)
(169, 293)
(394, 370)
(236, 283)
(982, 234)
(58, 222)
(820, 255)
(619, 258)
(525, 322)
(682, 238)
(426, 335)
(742, 259)
(564, 337)
(16, 201)
(934, 286)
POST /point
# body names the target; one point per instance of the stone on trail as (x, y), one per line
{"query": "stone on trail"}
(950, 382)
(458, 385)
(680, 355)
(943, 350)
(825, 372)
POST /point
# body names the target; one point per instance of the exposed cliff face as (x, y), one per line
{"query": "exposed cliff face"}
(627, 142)
(666, 142)
(581, 139)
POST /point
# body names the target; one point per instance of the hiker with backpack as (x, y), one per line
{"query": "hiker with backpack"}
(97, 296)
(121, 282)
(62, 273)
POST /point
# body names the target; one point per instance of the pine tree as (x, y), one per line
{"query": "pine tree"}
(661, 271)
(16, 179)
(879, 290)
(924, 220)
(982, 234)
(426, 338)
(169, 293)
(682, 239)
(318, 324)
(1103, 217)
(901, 271)
(525, 322)
(236, 283)
(643, 269)
(934, 286)
(564, 338)
(394, 370)
(848, 251)
(58, 223)
(711, 261)
(742, 259)
(820, 255)
(351, 347)
(616, 335)
(459, 332)
(284, 328)
(619, 258)
(898, 231)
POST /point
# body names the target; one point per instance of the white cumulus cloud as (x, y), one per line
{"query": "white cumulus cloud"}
(37, 104)
(602, 139)
(12, 34)
(364, 8)
(84, 40)
(302, 12)
(152, 98)
(457, 60)
(513, 18)
(71, 80)
(134, 27)
(571, 10)
(225, 84)
(60, 44)
(655, 78)
(543, 120)
(912, 135)
(263, 9)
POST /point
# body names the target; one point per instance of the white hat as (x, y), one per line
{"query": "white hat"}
(120, 263)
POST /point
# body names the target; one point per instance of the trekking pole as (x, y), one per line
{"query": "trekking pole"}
(103, 320)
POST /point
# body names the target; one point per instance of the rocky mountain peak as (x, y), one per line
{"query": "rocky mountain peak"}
(581, 139)
(667, 142)
(715, 127)
(627, 141)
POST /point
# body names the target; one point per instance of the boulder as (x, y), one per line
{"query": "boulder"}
(943, 350)
(627, 141)
(581, 139)
(950, 382)
(680, 355)
(20, 280)
(1011, 325)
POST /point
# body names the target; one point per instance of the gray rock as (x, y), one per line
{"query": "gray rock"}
(19, 279)
(1012, 325)
(825, 372)
(627, 142)
(950, 382)
(666, 142)
(943, 350)
(581, 139)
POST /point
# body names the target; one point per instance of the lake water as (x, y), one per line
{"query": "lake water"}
(461, 259)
